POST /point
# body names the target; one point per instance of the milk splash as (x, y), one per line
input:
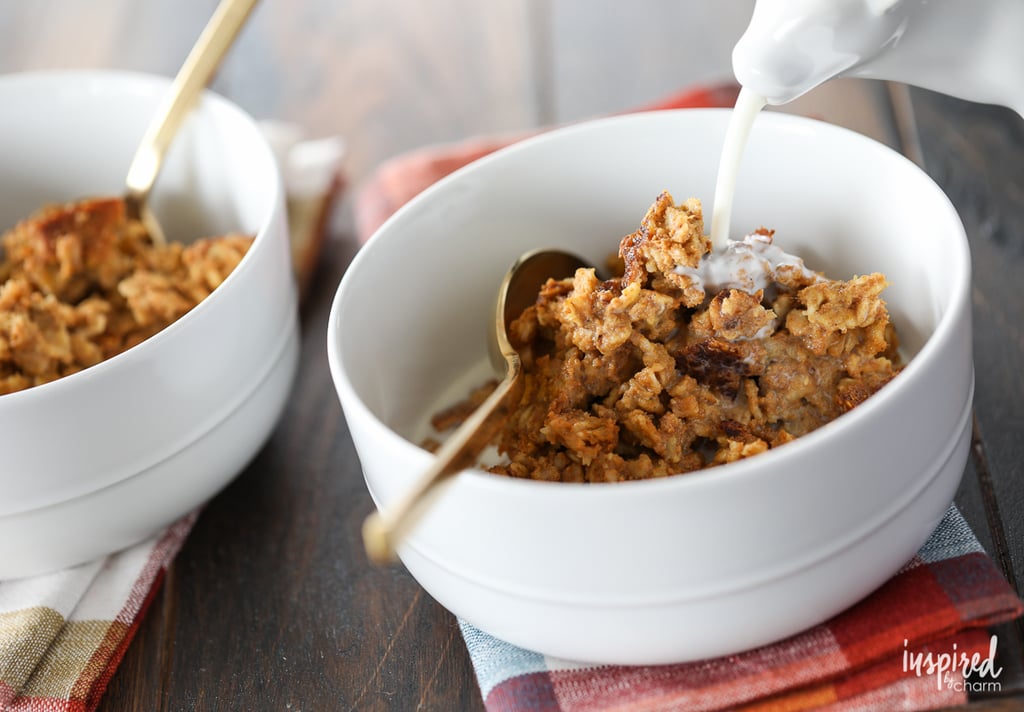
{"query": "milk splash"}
(752, 263)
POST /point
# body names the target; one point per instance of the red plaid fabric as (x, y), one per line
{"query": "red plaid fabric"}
(903, 647)
(62, 635)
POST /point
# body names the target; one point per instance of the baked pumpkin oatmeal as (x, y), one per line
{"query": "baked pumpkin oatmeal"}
(80, 283)
(686, 360)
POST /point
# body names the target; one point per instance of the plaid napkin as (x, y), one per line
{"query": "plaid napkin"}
(864, 659)
(886, 652)
(62, 635)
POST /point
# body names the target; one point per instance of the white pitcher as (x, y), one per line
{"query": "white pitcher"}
(971, 49)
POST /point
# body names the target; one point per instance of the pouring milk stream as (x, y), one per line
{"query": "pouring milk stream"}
(970, 49)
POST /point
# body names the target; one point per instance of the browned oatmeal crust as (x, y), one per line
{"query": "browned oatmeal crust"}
(646, 375)
(80, 283)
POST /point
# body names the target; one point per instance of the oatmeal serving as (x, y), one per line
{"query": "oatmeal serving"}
(82, 282)
(683, 362)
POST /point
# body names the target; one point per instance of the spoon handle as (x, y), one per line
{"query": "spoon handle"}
(193, 76)
(384, 530)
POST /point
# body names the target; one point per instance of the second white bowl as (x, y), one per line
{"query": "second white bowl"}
(107, 456)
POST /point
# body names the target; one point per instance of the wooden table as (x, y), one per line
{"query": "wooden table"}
(271, 605)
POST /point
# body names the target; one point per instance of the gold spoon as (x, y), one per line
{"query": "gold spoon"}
(194, 75)
(383, 531)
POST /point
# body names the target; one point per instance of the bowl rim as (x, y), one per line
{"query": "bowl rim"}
(151, 85)
(945, 331)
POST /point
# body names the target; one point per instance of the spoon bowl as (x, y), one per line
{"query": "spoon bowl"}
(383, 530)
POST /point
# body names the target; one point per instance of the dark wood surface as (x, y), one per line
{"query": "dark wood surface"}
(271, 604)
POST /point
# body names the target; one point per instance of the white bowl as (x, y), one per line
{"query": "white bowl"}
(106, 457)
(692, 566)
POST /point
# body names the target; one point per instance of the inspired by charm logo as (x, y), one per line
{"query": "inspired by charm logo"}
(976, 673)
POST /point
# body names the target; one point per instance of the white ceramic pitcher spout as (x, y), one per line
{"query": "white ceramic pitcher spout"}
(970, 49)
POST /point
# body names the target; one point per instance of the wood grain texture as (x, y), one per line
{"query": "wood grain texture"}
(974, 152)
(971, 502)
(387, 74)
